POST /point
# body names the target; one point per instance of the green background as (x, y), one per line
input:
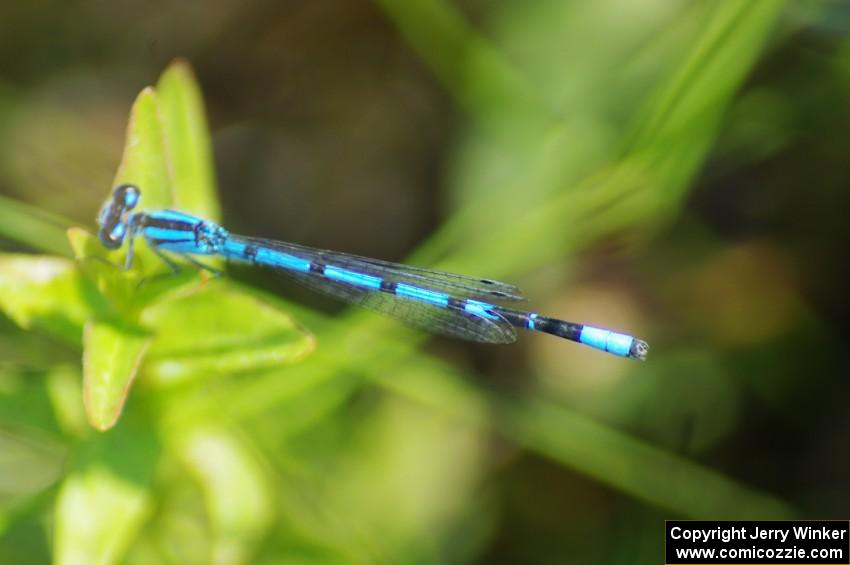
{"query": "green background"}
(676, 170)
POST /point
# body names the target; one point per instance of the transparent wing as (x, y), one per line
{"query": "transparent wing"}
(459, 286)
(429, 317)
(434, 319)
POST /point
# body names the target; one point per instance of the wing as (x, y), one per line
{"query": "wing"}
(459, 286)
(431, 318)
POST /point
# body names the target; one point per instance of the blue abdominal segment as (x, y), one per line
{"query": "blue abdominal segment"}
(423, 295)
(350, 277)
(279, 260)
(616, 343)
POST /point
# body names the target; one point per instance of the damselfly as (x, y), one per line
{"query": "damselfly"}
(444, 303)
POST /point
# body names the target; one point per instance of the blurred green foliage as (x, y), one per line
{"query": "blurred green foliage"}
(147, 418)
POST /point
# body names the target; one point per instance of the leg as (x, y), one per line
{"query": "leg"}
(188, 258)
(134, 222)
(159, 253)
(175, 268)
(128, 262)
(213, 271)
(105, 261)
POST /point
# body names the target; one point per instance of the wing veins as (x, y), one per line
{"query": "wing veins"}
(429, 317)
(454, 284)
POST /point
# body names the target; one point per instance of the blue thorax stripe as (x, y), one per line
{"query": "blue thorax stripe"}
(167, 234)
(173, 216)
(531, 318)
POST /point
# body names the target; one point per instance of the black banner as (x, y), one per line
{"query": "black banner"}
(816, 542)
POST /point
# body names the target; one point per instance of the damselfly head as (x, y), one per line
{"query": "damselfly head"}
(112, 219)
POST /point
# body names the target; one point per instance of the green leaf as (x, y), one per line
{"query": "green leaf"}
(187, 141)
(103, 268)
(395, 445)
(128, 291)
(236, 490)
(167, 154)
(65, 392)
(219, 330)
(98, 515)
(113, 350)
(33, 226)
(143, 162)
(167, 147)
(47, 293)
(111, 358)
(106, 499)
(30, 462)
(25, 399)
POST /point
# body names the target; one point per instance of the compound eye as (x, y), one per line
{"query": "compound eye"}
(118, 232)
(127, 195)
(131, 197)
(112, 238)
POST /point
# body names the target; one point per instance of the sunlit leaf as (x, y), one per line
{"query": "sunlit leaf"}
(111, 357)
(187, 141)
(219, 330)
(127, 290)
(98, 514)
(65, 391)
(46, 293)
(103, 267)
(105, 500)
(236, 490)
(144, 163)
